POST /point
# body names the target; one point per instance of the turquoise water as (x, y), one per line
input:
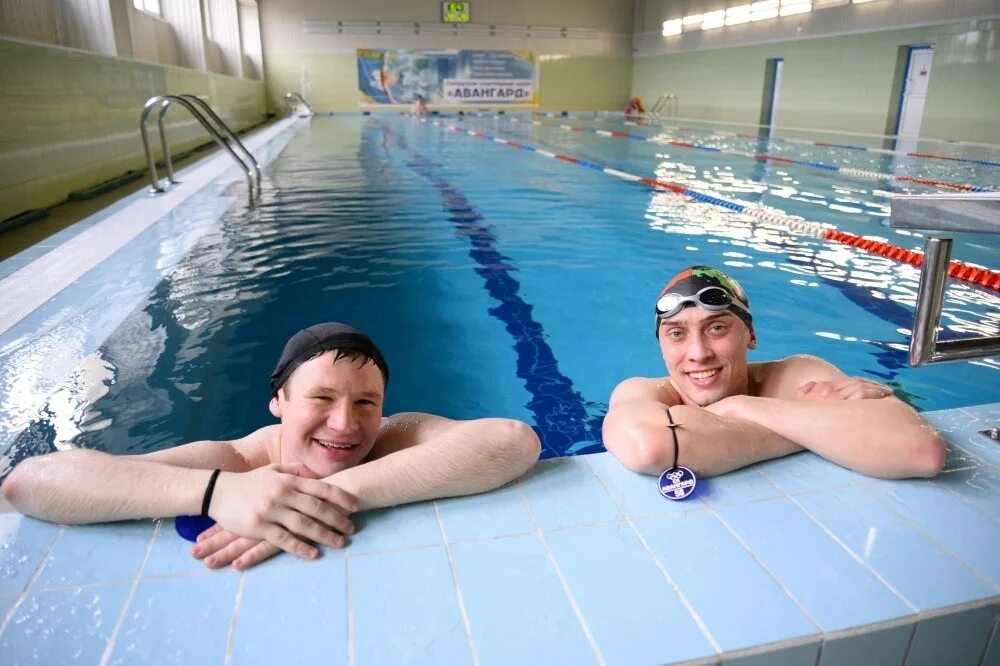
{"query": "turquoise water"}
(501, 283)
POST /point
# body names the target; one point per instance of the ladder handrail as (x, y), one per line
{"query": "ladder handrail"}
(299, 99)
(974, 212)
(666, 99)
(163, 101)
(225, 130)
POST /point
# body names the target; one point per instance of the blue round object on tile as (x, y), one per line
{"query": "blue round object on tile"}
(189, 527)
(677, 483)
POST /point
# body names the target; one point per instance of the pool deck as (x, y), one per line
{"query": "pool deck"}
(793, 561)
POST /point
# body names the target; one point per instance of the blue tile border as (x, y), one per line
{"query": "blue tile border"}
(836, 590)
(628, 605)
(26, 543)
(876, 536)
(53, 627)
(703, 557)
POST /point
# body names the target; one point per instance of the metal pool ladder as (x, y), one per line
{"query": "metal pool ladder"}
(219, 132)
(666, 100)
(975, 213)
(292, 99)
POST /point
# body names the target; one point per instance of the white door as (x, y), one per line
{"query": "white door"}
(911, 111)
(776, 91)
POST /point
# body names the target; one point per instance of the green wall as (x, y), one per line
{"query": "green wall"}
(70, 119)
(574, 82)
(840, 83)
(585, 83)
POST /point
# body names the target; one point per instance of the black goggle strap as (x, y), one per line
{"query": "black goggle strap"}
(672, 427)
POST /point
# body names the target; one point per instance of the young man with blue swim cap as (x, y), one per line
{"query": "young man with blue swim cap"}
(728, 413)
(291, 485)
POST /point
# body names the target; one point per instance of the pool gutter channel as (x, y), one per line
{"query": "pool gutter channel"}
(49, 274)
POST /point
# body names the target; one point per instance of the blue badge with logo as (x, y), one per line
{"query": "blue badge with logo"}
(677, 483)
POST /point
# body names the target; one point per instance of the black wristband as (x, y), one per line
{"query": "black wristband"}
(673, 431)
(207, 501)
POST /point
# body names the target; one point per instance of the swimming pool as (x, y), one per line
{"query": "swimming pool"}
(501, 283)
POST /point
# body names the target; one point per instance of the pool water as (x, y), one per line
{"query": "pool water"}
(501, 283)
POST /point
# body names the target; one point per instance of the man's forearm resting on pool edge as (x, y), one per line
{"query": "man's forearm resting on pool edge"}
(456, 458)
(445, 459)
(637, 434)
(879, 437)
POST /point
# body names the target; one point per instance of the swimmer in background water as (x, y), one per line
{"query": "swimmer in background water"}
(634, 107)
(733, 413)
(418, 107)
(294, 484)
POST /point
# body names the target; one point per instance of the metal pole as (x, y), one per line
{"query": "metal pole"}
(930, 296)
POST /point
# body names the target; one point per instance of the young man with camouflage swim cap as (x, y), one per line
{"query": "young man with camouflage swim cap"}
(731, 413)
(294, 484)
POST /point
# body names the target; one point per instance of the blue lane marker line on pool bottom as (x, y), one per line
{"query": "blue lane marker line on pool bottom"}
(559, 409)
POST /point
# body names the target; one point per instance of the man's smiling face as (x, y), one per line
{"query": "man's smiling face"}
(330, 412)
(706, 354)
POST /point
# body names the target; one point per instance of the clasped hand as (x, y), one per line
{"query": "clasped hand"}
(845, 388)
(274, 508)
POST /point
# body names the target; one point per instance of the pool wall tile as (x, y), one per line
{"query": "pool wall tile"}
(990, 412)
(637, 495)
(956, 458)
(171, 555)
(956, 638)
(991, 656)
(895, 549)
(805, 472)
(873, 648)
(633, 613)
(7, 602)
(398, 527)
(25, 542)
(832, 587)
(52, 627)
(96, 553)
(739, 486)
(978, 487)
(178, 620)
(506, 584)
(273, 609)
(405, 610)
(564, 492)
(963, 426)
(703, 557)
(967, 533)
(800, 655)
(500, 513)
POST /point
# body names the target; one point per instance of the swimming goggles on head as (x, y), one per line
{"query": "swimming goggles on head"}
(712, 299)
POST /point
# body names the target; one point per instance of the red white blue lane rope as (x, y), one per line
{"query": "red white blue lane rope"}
(804, 142)
(983, 277)
(765, 157)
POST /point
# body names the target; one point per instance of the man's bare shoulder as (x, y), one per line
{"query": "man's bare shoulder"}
(260, 448)
(780, 378)
(645, 388)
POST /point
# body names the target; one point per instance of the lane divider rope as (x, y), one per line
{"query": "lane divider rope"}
(958, 270)
(766, 157)
(805, 142)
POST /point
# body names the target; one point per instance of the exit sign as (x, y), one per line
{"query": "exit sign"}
(455, 12)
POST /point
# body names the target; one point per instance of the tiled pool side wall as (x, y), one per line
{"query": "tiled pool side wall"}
(793, 561)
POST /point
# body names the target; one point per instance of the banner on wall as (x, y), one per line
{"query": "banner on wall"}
(392, 76)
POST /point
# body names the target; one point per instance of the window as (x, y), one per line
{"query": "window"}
(151, 6)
